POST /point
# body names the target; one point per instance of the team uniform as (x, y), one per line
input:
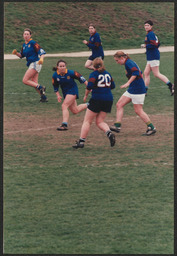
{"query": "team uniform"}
(96, 46)
(66, 82)
(32, 51)
(153, 55)
(152, 52)
(137, 89)
(101, 85)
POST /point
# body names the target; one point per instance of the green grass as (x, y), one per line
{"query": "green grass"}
(54, 24)
(99, 200)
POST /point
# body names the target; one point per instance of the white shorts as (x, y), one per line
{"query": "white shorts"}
(36, 66)
(153, 63)
(136, 98)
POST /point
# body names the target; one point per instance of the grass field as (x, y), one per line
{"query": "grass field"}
(99, 200)
(51, 23)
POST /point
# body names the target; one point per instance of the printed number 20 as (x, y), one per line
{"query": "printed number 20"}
(104, 80)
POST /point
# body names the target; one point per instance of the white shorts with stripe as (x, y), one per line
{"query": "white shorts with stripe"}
(153, 63)
(136, 98)
(35, 66)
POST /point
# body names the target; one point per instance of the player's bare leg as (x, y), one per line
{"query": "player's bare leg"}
(157, 74)
(140, 112)
(89, 65)
(29, 75)
(75, 109)
(120, 112)
(147, 72)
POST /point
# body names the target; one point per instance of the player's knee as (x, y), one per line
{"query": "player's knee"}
(75, 111)
(146, 73)
(87, 65)
(137, 112)
(118, 105)
(157, 75)
(64, 106)
(24, 80)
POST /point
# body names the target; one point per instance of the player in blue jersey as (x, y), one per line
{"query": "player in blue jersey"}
(65, 79)
(95, 45)
(152, 44)
(35, 57)
(135, 93)
(100, 83)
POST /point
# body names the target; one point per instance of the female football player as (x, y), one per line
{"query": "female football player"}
(101, 83)
(153, 57)
(66, 80)
(135, 93)
(31, 50)
(95, 45)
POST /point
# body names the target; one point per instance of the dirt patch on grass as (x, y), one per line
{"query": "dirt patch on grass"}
(25, 125)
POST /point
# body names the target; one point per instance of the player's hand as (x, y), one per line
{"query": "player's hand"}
(14, 52)
(59, 98)
(124, 85)
(40, 62)
(143, 45)
(85, 98)
(85, 42)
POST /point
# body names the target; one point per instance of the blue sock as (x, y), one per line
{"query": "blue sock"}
(39, 87)
(169, 83)
(65, 123)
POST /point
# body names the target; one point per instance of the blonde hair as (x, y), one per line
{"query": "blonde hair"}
(120, 54)
(98, 64)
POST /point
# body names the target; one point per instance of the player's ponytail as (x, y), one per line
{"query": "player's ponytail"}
(98, 64)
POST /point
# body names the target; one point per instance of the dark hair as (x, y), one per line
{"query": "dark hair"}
(55, 68)
(149, 22)
(27, 29)
(120, 54)
(91, 25)
(98, 64)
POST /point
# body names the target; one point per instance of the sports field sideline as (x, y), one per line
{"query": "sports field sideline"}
(87, 53)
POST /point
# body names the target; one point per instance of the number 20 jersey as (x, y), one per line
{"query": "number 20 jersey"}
(101, 84)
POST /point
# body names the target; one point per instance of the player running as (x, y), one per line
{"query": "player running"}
(101, 83)
(31, 50)
(65, 79)
(153, 57)
(135, 93)
(95, 45)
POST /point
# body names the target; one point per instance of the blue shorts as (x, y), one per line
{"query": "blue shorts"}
(94, 57)
(100, 105)
(72, 91)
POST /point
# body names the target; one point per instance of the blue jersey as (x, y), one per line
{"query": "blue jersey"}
(31, 51)
(66, 82)
(152, 44)
(101, 84)
(95, 45)
(137, 86)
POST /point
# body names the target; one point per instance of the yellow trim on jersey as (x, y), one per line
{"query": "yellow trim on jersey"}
(66, 71)
(29, 40)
